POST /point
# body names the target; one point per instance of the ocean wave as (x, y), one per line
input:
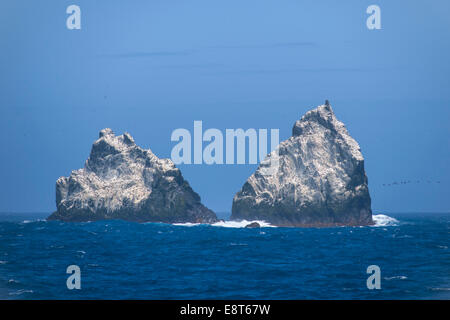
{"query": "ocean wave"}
(94, 265)
(396, 278)
(19, 292)
(440, 289)
(187, 224)
(382, 220)
(241, 224)
(238, 244)
(36, 220)
(229, 224)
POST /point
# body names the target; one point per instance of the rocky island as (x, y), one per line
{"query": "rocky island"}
(120, 180)
(320, 180)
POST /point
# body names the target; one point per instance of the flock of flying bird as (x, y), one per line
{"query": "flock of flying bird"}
(395, 183)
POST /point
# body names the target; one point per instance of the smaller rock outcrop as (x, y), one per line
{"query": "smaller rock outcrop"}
(120, 180)
(253, 225)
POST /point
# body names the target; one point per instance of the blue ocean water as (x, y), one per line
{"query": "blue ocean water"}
(123, 260)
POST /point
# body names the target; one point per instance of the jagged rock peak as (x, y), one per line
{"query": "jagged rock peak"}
(121, 180)
(323, 119)
(105, 132)
(320, 180)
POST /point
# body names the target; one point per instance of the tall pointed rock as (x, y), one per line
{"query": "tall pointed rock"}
(320, 180)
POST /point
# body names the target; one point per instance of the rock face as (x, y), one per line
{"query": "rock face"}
(253, 225)
(120, 180)
(320, 181)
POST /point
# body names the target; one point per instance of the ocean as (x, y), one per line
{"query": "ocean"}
(125, 260)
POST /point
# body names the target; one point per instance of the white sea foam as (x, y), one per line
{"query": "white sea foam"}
(396, 278)
(187, 224)
(238, 244)
(19, 292)
(382, 220)
(241, 224)
(229, 224)
(36, 220)
(440, 289)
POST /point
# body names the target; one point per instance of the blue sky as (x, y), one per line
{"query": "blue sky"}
(149, 67)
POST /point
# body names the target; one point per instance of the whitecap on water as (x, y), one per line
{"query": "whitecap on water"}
(241, 224)
(36, 220)
(396, 278)
(19, 292)
(229, 224)
(382, 220)
(187, 224)
(440, 289)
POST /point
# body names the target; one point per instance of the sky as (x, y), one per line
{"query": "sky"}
(150, 67)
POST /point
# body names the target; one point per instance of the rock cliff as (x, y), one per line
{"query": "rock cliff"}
(320, 180)
(120, 180)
